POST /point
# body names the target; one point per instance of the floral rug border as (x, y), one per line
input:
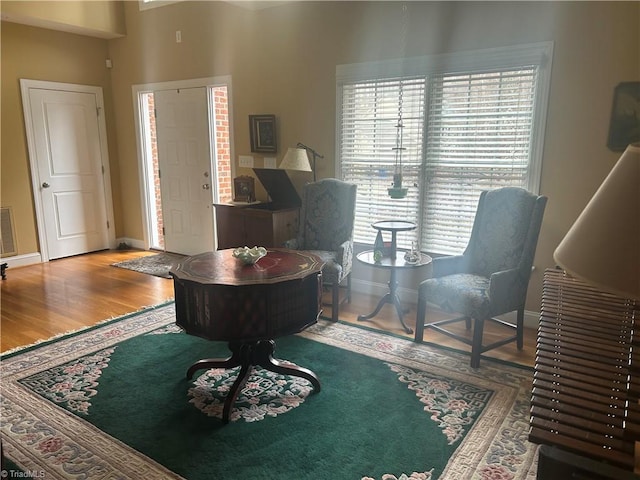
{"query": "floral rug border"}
(495, 448)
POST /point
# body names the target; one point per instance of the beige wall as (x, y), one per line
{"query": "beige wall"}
(282, 61)
(104, 19)
(40, 54)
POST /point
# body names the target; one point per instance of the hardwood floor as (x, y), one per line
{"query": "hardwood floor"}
(44, 300)
(40, 301)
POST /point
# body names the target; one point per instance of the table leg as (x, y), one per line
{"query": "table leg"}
(238, 356)
(383, 300)
(264, 358)
(247, 355)
(392, 298)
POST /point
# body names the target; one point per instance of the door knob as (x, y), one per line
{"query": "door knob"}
(45, 185)
(206, 186)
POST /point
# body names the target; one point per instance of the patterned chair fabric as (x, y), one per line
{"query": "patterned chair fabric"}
(492, 276)
(326, 229)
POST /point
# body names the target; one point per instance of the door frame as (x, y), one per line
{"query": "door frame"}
(145, 175)
(25, 86)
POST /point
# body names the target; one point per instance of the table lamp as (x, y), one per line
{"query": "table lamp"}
(603, 245)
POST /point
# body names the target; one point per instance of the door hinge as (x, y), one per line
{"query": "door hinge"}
(97, 111)
(163, 231)
(108, 225)
(102, 167)
(159, 173)
(155, 112)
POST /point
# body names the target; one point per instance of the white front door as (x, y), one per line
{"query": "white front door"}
(67, 148)
(184, 156)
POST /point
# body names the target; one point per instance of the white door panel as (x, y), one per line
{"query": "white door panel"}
(73, 213)
(68, 155)
(184, 155)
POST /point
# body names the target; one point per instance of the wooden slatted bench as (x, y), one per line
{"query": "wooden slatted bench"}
(586, 384)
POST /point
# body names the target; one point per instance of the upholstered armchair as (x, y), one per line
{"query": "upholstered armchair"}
(326, 229)
(492, 276)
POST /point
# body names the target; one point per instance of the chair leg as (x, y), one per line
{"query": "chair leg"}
(476, 347)
(520, 328)
(349, 288)
(420, 317)
(335, 301)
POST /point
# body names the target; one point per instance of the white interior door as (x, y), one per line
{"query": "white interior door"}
(67, 150)
(184, 156)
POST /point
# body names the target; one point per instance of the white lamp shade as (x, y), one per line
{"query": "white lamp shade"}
(296, 159)
(603, 245)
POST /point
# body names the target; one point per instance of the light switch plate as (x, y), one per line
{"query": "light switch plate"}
(245, 161)
(269, 162)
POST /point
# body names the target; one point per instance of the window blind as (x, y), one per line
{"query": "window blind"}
(370, 112)
(473, 121)
(479, 138)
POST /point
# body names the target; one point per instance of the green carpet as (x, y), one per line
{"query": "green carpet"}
(113, 402)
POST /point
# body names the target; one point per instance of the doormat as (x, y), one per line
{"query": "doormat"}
(158, 265)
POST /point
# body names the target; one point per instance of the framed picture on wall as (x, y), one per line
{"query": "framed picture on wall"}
(624, 127)
(262, 131)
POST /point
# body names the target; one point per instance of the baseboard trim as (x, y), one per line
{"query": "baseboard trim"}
(531, 319)
(131, 242)
(22, 260)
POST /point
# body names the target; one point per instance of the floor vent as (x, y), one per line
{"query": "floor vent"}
(7, 233)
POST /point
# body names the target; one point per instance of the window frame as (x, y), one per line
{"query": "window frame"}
(510, 57)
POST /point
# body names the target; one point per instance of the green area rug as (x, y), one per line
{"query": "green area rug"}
(113, 402)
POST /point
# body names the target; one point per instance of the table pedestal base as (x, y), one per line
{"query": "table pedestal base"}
(392, 298)
(247, 355)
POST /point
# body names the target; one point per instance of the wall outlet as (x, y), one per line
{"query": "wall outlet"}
(245, 161)
(269, 162)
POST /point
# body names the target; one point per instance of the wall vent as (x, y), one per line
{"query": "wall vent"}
(7, 233)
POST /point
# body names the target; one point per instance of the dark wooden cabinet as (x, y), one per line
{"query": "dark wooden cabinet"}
(261, 224)
(255, 225)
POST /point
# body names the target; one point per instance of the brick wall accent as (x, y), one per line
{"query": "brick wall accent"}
(156, 167)
(223, 147)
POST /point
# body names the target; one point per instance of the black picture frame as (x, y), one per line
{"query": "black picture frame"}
(262, 132)
(624, 127)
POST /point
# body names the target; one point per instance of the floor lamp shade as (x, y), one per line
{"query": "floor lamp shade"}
(296, 159)
(603, 245)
